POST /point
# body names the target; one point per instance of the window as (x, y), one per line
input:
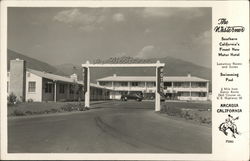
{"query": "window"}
(107, 84)
(198, 94)
(77, 89)
(124, 84)
(141, 84)
(100, 92)
(134, 84)
(71, 89)
(199, 84)
(48, 87)
(32, 87)
(177, 84)
(182, 84)
(185, 85)
(102, 83)
(123, 92)
(184, 94)
(150, 84)
(61, 88)
(167, 84)
(120, 84)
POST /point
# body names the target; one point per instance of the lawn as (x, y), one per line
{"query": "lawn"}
(30, 108)
(189, 105)
(195, 111)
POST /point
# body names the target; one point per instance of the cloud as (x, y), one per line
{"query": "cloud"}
(169, 12)
(38, 46)
(157, 12)
(203, 38)
(120, 54)
(146, 52)
(147, 31)
(118, 17)
(190, 13)
(85, 21)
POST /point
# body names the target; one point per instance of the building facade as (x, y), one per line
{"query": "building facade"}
(175, 88)
(33, 85)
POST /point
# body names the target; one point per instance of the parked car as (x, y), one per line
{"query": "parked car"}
(163, 98)
(132, 96)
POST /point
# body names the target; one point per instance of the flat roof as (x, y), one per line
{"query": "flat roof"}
(152, 79)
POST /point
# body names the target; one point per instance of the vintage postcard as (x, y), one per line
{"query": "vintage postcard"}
(124, 80)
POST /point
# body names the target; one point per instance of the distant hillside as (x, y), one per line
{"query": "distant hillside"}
(32, 63)
(173, 67)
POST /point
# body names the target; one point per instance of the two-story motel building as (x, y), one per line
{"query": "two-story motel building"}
(180, 88)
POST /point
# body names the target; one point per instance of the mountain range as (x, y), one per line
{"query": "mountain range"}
(173, 67)
(32, 63)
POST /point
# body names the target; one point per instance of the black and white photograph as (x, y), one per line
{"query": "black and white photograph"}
(109, 80)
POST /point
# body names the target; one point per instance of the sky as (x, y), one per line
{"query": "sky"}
(75, 35)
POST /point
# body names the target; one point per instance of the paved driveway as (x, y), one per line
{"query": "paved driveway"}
(112, 127)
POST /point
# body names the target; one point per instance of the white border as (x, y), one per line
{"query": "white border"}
(217, 6)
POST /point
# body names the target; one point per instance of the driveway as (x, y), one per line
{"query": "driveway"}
(111, 127)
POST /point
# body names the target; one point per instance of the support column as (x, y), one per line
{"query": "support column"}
(207, 90)
(87, 93)
(173, 94)
(68, 91)
(129, 87)
(157, 95)
(190, 87)
(55, 91)
(113, 88)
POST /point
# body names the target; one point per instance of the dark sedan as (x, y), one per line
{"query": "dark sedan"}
(133, 96)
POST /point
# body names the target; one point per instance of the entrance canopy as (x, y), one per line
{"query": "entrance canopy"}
(159, 78)
(157, 64)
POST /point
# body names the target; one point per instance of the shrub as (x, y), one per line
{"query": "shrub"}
(47, 111)
(68, 107)
(205, 120)
(82, 108)
(18, 113)
(164, 108)
(189, 114)
(12, 99)
(30, 100)
(28, 113)
(73, 107)
(174, 111)
(201, 116)
(53, 110)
